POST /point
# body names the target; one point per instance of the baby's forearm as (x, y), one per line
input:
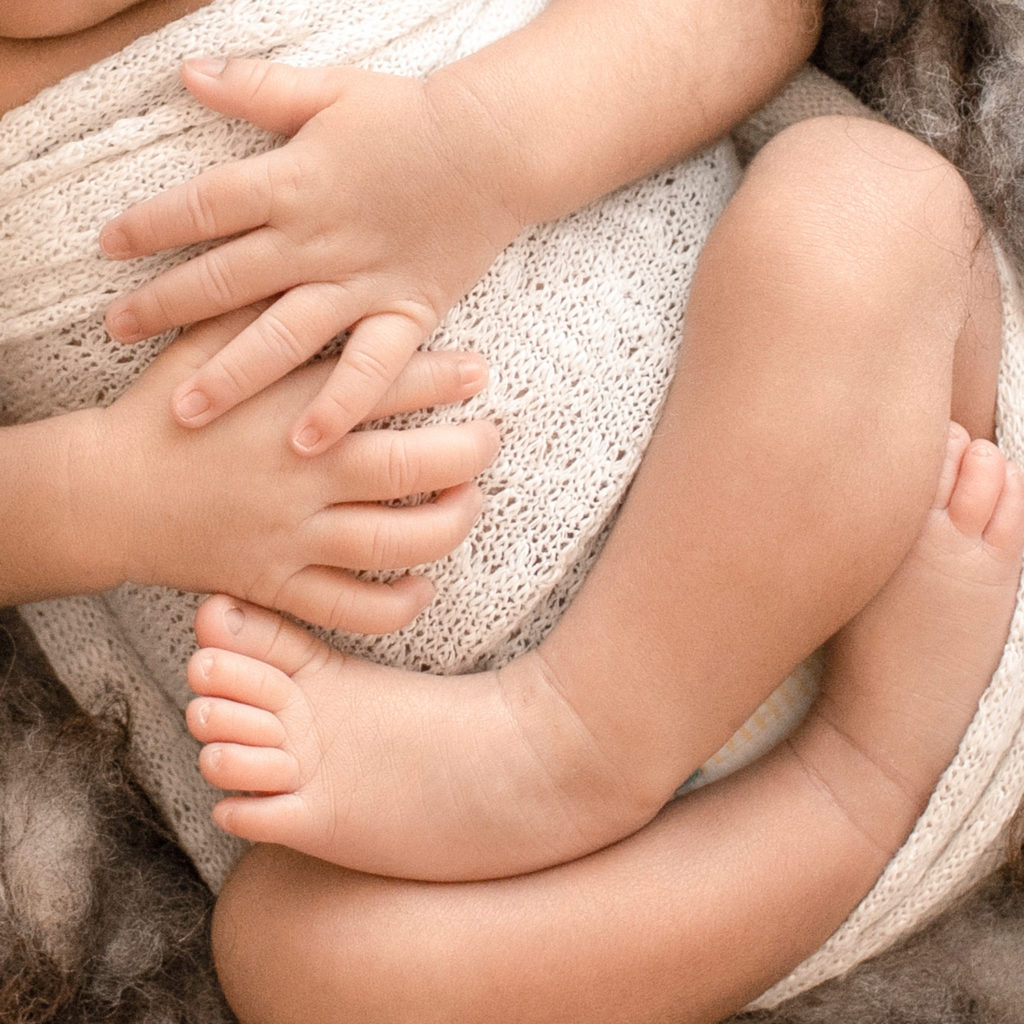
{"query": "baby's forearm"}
(53, 540)
(592, 95)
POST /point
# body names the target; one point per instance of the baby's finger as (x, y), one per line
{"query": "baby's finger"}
(272, 95)
(294, 328)
(218, 203)
(375, 537)
(382, 465)
(433, 378)
(336, 600)
(238, 273)
(374, 355)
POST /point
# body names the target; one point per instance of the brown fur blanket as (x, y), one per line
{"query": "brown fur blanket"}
(102, 918)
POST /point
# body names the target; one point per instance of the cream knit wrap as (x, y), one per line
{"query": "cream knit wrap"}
(579, 320)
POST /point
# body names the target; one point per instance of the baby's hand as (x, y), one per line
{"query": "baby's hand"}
(233, 509)
(376, 217)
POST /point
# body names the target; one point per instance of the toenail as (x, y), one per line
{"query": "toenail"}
(234, 619)
(203, 713)
(205, 663)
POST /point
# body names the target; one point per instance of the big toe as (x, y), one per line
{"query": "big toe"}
(244, 628)
(977, 489)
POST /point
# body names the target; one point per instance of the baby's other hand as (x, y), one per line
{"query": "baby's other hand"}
(233, 509)
(376, 217)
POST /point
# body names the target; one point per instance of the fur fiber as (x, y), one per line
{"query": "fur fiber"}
(102, 919)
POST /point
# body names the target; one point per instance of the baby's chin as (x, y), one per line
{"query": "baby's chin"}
(37, 19)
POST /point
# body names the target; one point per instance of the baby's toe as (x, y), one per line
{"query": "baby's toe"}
(977, 489)
(211, 719)
(236, 677)
(956, 445)
(282, 820)
(248, 629)
(249, 769)
(1005, 530)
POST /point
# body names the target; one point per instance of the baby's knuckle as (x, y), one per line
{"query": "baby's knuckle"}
(256, 79)
(442, 377)
(233, 378)
(281, 340)
(200, 212)
(157, 306)
(334, 409)
(215, 281)
(402, 466)
(366, 365)
(287, 183)
(384, 548)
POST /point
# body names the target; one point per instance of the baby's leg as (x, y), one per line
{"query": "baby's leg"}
(790, 472)
(724, 892)
(934, 633)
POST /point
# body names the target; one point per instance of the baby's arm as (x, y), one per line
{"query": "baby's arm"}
(124, 493)
(395, 195)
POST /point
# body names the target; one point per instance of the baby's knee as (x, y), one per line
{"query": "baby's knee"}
(863, 188)
(298, 940)
(261, 966)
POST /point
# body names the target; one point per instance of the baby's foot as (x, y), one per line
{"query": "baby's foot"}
(396, 772)
(906, 674)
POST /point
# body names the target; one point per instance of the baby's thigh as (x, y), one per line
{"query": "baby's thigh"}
(580, 320)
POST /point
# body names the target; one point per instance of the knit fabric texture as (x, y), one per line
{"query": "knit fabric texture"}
(580, 321)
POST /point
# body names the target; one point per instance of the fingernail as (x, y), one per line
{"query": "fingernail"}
(124, 326)
(307, 438)
(114, 242)
(211, 67)
(191, 405)
(234, 619)
(472, 373)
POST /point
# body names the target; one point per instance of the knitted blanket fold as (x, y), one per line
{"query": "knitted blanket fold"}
(580, 321)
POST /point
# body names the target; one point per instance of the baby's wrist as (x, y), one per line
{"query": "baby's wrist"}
(99, 492)
(493, 152)
(54, 544)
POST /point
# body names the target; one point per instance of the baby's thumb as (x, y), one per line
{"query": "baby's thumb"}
(273, 96)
